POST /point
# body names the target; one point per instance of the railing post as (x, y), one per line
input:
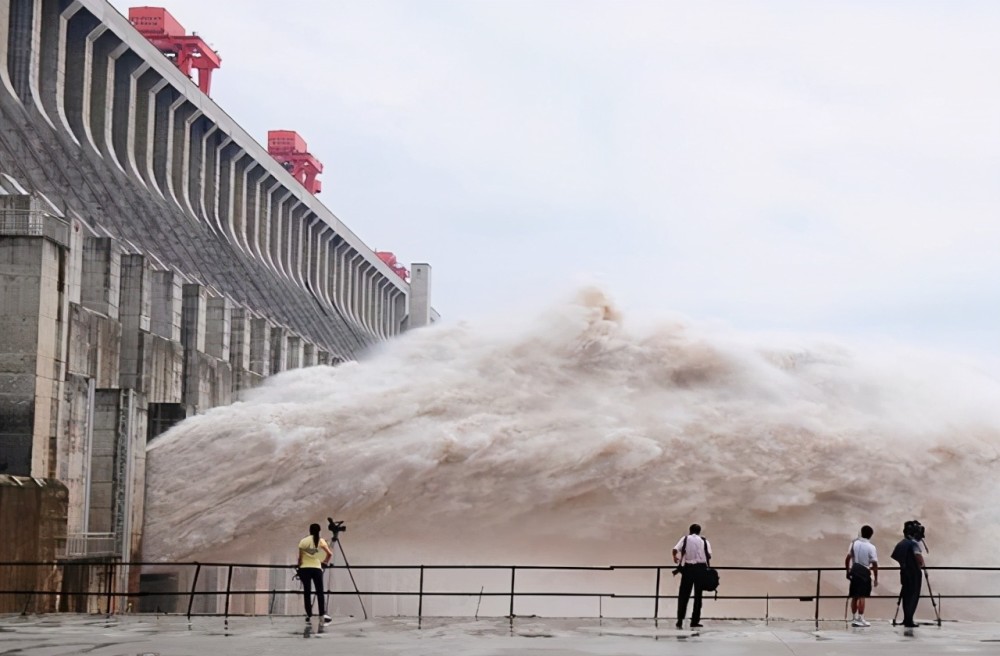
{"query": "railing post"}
(194, 584)
(229, 585)
(512, 571)
(656, 604)
(420, 597)
(819, 573)
(109, 572)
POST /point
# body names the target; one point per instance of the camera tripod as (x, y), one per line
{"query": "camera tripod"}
(335, 529)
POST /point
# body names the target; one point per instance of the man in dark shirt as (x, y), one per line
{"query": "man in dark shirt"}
(911, 564)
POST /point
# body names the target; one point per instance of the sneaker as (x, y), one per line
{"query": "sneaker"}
(327, 619)
(697, 625)
(679, 625)
(864, 622)
(857, 623)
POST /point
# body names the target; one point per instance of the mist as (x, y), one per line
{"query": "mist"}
(578, 439)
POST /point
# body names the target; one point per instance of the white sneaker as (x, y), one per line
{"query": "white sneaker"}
(863, 621)
(327, 619)
(858, 623)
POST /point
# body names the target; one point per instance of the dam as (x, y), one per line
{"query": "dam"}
(155, 261)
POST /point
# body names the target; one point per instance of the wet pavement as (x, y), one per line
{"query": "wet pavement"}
(148, 635)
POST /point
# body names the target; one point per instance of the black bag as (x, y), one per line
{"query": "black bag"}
(858, 571)
(710, 579)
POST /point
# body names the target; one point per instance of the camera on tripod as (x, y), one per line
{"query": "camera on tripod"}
(335, 527)
(914, 529)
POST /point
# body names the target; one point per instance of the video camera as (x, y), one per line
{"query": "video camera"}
(335, 527)
(914, 529)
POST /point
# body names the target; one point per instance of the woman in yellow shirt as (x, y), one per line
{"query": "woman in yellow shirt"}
(310, 568)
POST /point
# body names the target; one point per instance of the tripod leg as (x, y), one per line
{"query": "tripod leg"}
(328, 584)
(930, 593)
(351, 574)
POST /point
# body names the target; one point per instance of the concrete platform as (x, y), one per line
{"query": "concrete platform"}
(63, 635)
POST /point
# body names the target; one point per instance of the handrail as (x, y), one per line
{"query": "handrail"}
(113, 570)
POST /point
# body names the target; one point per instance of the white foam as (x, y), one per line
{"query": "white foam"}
(578, 440)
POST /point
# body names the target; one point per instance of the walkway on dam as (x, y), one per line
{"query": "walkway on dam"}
(147, 635)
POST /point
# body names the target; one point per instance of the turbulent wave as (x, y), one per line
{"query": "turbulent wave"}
(580, 440)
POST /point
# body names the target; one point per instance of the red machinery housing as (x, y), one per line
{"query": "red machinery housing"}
(390, 259)
(290, 150)
(188, 51)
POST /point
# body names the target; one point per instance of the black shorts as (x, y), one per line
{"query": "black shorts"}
(861, 582)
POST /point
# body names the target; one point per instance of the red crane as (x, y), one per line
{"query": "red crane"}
(188, 51)
(390, 259)
(290, 150)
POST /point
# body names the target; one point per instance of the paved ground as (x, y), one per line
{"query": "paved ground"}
(65, 635)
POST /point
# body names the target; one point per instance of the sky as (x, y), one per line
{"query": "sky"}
(774, 166)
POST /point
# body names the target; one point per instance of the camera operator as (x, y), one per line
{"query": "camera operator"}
(310, 570)
(911, 563)
(691, 555)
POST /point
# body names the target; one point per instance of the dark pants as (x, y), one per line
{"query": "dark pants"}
(309, 577)
(691, 577)
(909, 592)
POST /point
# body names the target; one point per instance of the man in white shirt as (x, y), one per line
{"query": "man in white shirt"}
(691, 555)
(861, 564)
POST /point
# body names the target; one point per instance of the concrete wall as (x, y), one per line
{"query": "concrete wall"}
(420, 298)
(154, 262)
(37, 507)
(32, 281)
(101, 351)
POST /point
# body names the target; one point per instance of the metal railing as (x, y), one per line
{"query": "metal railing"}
(113, 601)
(89, 545)
(34, 223)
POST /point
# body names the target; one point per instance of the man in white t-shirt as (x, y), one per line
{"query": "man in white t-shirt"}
(861, 564)
(691, 555)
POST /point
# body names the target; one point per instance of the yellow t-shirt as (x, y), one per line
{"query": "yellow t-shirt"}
(312, 555)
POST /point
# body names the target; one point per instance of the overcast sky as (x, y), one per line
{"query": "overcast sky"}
(779, 166)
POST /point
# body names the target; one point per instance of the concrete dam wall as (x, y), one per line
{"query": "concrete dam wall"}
(154, 261)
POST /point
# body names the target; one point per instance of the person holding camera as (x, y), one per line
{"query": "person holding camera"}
(310, 569)
(911, 564)
(861, 564)
(691, 555)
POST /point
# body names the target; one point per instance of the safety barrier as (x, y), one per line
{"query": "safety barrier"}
(513, 593)
(34, 223)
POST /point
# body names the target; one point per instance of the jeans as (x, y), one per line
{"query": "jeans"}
(310, 576)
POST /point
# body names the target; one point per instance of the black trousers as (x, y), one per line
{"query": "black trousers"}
(691, 577)
(311, 576)
(909, 592)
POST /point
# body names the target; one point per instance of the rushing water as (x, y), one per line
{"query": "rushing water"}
(580, 440)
